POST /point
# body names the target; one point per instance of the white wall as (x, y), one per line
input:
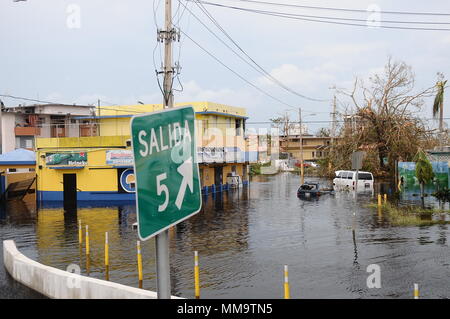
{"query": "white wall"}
(63, 110)
(60, 284)
(8, 135)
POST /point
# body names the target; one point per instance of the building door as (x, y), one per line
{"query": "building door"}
(218, 175)
(70, 188)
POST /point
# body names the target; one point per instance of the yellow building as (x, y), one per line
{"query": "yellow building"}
(101, 167)
(314, 147)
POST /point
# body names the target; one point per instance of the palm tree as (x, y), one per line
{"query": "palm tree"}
(438, 105)
(424, 172)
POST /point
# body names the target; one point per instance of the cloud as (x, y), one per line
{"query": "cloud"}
(332, 50)
(192, 91)
(304, 79)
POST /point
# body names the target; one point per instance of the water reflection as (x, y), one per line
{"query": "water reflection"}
(244, 237)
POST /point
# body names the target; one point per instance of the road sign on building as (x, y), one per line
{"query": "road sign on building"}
(166, 169)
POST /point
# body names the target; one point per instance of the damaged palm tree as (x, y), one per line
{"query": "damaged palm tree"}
(381, 120)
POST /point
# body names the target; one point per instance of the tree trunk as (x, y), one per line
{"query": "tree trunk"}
(422, 194)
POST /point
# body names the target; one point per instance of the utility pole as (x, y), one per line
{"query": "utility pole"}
(98, 126)
(302, 177)
(286, 133)
(333, 130)
(168, 35)
(162, 239)
(333, 121)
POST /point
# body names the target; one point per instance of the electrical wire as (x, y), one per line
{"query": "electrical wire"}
(340, 18)
(234, 72)
(65, 104)
(341, 9)
(299, 17)
(258, 67)
(222, 123)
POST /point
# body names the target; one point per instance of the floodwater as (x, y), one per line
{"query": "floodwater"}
(244, 238)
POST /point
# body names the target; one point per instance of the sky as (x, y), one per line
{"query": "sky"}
(80, 51)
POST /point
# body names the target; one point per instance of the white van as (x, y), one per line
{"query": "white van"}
(347, 180)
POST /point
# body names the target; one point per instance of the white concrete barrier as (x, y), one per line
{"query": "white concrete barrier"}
(60, 284)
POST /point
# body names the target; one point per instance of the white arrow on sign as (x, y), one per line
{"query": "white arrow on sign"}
(185, 170)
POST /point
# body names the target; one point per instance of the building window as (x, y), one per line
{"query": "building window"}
(238, 127)
(312, 154)
(25, 142)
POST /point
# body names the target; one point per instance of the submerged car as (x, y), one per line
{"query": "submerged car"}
(309, 190)
(347, 180)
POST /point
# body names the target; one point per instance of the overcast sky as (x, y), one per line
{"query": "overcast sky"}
(108, 53)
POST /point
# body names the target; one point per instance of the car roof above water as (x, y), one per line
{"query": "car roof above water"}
(359, 172)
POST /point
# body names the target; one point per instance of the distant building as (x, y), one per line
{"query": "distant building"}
(314, 147)
(294, 129)
(22, 124)
(439, 154)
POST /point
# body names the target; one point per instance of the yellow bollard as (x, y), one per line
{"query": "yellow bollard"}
(87, 240)
(416, 291)
(286, 283)
(385, 198)
(379, 199)
(80, 233)
(196, 276)
(106, 256)
(139, 260)
(106, 250)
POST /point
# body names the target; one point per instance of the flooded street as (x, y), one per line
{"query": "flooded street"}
(244, 238)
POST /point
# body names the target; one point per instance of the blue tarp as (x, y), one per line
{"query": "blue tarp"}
(18, 157)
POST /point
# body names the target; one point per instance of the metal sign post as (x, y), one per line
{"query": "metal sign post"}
(357, 158)
(163, 265)
(167, 179)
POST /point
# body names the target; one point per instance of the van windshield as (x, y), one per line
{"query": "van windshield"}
(350, 175)
(365, 176)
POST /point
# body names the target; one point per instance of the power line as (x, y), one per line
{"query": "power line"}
(60, 103)
(30, 100)
(141, 111)
(234, 72)
(258, 67)
(342, 9)
(335, 18)
(302, 17)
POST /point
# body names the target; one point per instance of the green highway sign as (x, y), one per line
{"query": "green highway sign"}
(166, 169)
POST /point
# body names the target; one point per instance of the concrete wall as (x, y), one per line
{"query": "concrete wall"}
(63, 110)
(59, 284)
(8, 135)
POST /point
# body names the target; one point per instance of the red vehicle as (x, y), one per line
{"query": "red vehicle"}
(304, 164)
